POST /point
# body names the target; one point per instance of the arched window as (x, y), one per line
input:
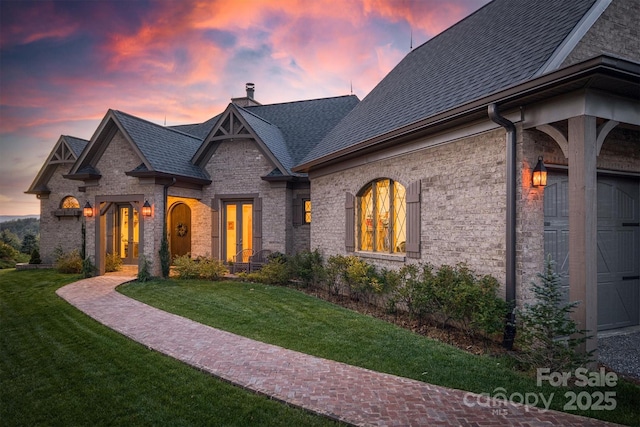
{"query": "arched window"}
(69, 202)
(382, 216)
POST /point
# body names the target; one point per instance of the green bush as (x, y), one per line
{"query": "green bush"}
(112, 263)
(35, 257)
(186, 267)
(68, 262)
(88, 269)
(275, 272)
(9, 256)
(211, 269)
(307, 267)
(144, 270)
(165, 256)
(548, 337)
(336, 267)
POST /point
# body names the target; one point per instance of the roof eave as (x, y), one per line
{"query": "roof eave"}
(164, 175)
(600, 65)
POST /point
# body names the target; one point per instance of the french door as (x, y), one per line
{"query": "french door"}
(128, 233)
(238, 230)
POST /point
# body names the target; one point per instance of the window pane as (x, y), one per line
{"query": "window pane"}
(70, 202)
(366, 220)
(399, 218)
(383, 203)
(307, 211)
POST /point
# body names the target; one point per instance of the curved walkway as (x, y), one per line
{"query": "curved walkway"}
(347, 393)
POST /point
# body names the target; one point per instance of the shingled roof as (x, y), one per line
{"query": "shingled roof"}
(167, 150)
(504, 43)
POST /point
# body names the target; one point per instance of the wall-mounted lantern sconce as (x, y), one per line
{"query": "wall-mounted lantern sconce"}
(146, 208)
(539, 176)
(87, 210)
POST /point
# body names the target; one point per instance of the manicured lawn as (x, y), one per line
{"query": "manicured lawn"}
(59, 367)
(294, 320)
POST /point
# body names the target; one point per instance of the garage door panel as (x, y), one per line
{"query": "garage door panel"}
(618, 240)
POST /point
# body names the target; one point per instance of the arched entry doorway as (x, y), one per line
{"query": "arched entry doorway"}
(179, 230)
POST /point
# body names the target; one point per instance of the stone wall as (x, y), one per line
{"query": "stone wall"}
(615, 32)
(235, 169)
(462, 203)
(60, 232)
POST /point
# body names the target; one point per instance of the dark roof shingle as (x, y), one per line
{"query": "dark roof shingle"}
(503, 43)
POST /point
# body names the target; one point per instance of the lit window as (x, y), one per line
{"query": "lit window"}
(70, 202)
(382, 216)
(307, 211)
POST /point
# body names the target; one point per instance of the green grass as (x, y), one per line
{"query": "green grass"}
(294, 320)
(59, 367)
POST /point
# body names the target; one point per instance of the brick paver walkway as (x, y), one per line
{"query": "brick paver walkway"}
(354, 395)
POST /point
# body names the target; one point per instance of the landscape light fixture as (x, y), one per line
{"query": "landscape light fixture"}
(146, 208)
(539, 176)
(87, 210)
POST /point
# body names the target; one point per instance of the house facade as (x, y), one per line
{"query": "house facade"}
(435, 164)
(223, 188)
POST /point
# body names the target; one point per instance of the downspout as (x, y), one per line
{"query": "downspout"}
(510, 280)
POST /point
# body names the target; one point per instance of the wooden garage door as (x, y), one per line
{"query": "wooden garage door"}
(618, 244)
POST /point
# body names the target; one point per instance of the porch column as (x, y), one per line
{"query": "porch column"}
(583, 222)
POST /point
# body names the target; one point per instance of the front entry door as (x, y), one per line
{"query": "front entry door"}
(180, 234)
(128, 235)
(238, 230)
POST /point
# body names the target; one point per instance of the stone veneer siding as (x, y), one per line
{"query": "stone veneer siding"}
(615, 32)
(118, 158)
(235, 169)
(65, 232)
(462, 203)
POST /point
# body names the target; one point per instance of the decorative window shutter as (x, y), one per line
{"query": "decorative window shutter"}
(413, 220)
(215, 232)
(257, 225)
(350, 223)
(297, 212)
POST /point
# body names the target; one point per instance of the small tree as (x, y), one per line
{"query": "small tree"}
(548, 337)
(35, 257)
(165, 256)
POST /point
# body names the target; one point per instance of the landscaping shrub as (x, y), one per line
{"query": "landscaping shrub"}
(186, 267)
(88, 269)
(211, 269)
(35, 257)
(275, 272)
(336, 266)
(410, 292)
(308, 268)
(547, 336)
(112, 263)
(144, 269)
(68, 262)
(165, 256)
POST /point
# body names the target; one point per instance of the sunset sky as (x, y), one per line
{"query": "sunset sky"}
(63, 64)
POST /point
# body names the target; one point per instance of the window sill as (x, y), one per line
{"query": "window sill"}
(67, 213)
(381, 256)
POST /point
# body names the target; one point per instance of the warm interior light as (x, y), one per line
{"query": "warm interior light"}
(87, 210)
(146, 209)
(539, 176)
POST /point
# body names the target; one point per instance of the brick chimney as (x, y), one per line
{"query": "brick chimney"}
(247, 101)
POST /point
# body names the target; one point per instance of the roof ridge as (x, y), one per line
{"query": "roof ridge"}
(255, 115)
(157, 125)
(301, 100)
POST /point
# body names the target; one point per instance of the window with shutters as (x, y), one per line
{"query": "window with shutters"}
(381, 215)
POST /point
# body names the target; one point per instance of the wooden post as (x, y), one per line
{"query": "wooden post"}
(583, 222)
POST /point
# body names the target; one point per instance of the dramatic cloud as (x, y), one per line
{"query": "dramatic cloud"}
(63, 64)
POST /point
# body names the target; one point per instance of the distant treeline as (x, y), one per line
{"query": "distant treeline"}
(21, 227)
